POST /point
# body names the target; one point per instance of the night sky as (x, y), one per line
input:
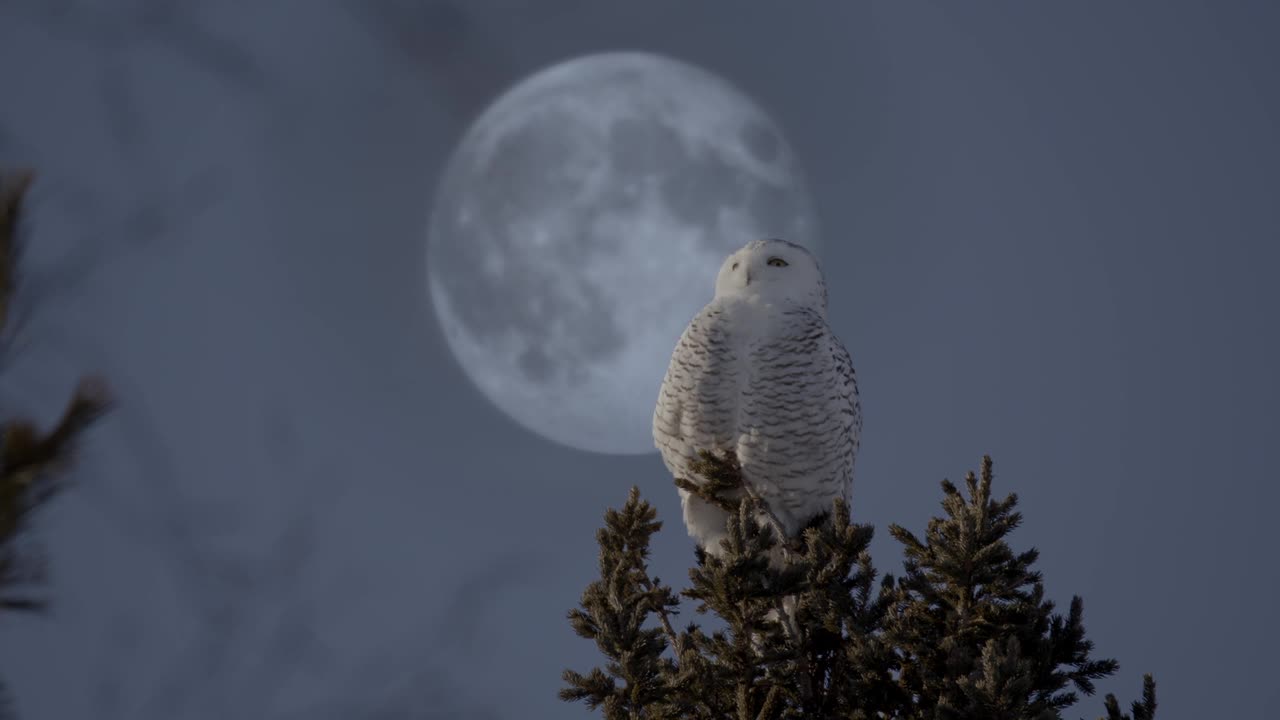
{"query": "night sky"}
(1051, 233)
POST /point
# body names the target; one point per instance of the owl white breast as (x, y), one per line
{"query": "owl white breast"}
(759, 372)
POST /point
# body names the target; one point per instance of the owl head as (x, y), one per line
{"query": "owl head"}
(774, 271)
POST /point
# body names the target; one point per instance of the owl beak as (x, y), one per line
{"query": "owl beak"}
(748, 280)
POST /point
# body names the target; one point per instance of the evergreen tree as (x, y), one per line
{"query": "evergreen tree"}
(809, 631)
(31, 461)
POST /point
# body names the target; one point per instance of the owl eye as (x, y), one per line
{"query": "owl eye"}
(777, 262)
(735, 266)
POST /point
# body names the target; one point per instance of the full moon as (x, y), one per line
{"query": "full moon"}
(579, 227)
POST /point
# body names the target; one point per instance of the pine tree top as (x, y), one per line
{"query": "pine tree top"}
(964, 633)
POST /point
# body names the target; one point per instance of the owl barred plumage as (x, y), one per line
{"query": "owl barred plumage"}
(759, 372)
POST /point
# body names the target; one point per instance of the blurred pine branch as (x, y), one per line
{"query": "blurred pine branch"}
(32, 461)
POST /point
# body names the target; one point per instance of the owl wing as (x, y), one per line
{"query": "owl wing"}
(848, 405)
(799, 419)
(698, 404)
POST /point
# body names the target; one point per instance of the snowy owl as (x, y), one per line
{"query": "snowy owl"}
(759, 372)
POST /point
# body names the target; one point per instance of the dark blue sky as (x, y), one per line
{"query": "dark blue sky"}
(1051, 232)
